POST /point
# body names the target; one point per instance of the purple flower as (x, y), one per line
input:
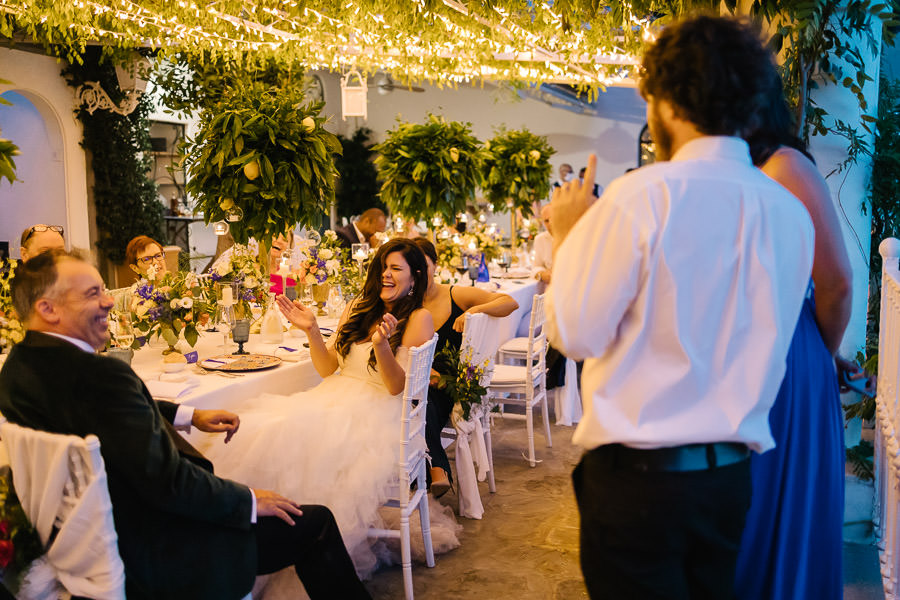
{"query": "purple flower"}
(155, 312)
(214, 276)
(247, 296)
(470, 372)
(145, 291)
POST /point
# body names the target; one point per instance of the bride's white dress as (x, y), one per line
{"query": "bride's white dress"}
(337, 444)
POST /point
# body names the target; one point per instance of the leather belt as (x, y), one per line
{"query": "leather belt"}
(691, 457)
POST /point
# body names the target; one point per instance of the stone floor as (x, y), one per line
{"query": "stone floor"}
(526, 546)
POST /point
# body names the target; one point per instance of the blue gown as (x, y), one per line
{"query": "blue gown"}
(792, 542)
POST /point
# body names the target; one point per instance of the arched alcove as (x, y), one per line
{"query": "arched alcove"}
(40, 194)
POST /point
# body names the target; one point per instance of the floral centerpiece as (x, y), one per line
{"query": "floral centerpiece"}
(485, 237)
(19, 542)
(242, 268)
(322, 263)
(462, 379)
(431, 169)
(11, 330)
(169, 306)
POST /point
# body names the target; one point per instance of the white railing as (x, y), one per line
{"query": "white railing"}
(887, 431)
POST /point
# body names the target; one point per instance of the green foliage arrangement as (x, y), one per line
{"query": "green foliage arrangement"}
(125, 199)
(431, 169)
(264, 152)
(19, 541)
(518, 169)
(462, 379)
(357, 188)
(7, 151)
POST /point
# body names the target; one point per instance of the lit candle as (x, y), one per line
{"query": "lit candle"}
(360, 255)
(472, 246)
(227, 296)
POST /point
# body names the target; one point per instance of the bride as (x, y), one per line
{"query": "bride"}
(337, 444)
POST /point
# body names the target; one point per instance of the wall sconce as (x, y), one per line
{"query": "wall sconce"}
(353, 97)
(131, 82)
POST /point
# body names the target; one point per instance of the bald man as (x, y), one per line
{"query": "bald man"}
(362, 231)
(40, 238)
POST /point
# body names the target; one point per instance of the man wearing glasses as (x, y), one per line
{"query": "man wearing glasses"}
(41, 238)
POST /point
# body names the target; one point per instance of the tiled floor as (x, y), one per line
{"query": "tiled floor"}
(526, 547)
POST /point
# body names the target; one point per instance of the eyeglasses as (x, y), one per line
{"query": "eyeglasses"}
(149, 259)
(42, 228)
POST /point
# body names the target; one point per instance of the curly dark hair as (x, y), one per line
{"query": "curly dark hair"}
(713, 71)
(775, 129)
(369, 309)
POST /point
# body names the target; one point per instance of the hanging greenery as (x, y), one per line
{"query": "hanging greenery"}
(517, 169)
(357, 186)
(431, 169)
(125, 199)
(7, 151)
(262, 161)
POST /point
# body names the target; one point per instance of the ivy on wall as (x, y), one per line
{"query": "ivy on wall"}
(125, 198)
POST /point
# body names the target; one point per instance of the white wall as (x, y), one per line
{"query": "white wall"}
(52, 164)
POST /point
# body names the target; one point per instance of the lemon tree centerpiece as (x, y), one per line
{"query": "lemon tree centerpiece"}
(262, 162)
(517, 172)
(431, 169)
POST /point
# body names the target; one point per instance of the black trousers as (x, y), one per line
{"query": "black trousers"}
(314, 547)
(665, 535)
(437, 415)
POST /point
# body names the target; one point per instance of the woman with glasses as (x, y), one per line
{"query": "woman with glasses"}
(144, 252)
(40, 238)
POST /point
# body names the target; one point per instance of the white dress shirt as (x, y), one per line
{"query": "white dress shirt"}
(681, 288)
(543, 251)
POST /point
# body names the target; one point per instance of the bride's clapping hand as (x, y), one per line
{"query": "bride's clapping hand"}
(385, 329)
(296, 313)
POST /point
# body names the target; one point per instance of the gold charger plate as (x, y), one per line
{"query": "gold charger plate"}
(240, 363)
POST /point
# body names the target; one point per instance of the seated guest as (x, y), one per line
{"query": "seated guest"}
(448, 306)
(543, 248)
(364, 229)
(183, 533)
(144, 252)
(40, 238)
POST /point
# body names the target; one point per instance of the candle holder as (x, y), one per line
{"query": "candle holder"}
(240, 333)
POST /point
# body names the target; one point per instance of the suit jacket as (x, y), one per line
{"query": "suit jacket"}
(348, 236)
(183, 532)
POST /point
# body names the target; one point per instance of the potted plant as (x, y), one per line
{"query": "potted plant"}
(431, 169)
(517, 172)
(262, 162)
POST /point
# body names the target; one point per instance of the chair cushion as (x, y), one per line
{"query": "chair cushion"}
(508, 375)
(518, 345)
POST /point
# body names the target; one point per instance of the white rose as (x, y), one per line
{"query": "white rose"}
(151, 272)
(174, 303)
(330, 234)
(251, 282)
(191, 280)
(333, 266)
(445, 274)
(326, 254)
(187, 302)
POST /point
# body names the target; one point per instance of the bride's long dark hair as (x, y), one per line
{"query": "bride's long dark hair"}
(369, 309)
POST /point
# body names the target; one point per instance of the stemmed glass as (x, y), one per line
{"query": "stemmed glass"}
(463, 265)
(121, 329)
(474, 266)
(505, 260)
(224, 322)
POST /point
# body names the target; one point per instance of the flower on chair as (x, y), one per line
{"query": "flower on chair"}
(19, 542)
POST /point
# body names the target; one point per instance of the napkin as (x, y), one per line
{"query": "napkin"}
(491, 286)
(291, 354)
(170, 390)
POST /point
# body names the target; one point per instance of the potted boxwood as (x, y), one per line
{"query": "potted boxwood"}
(431, 169)
(262, 162)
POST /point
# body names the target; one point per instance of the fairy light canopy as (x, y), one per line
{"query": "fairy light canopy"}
(582, 42)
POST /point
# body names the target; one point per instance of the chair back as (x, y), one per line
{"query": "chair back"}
(415, 398)
(537, 338)
(478, 339)
(61, 482)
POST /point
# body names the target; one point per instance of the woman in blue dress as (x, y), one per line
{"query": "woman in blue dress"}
(792, 542)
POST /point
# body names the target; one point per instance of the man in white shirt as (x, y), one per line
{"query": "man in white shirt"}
(680, 288)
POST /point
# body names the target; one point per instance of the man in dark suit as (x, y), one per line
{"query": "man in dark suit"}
(369, 223)
(183, 532)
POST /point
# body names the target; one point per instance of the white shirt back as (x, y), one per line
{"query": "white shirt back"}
(681, 287)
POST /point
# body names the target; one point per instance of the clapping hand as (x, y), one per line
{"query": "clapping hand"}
(270, 504)
(296, 313)
(571, 200)
(385, 329)
(216, 421)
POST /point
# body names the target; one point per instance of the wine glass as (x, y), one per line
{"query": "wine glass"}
(463, 265)
(240, 332)
(224, 322)
(474, 266)
(359, 253)
(121, 329)
(505, 260)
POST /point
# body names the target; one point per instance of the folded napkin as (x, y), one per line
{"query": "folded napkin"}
(291, 354)
(170, 390)
(491, 286)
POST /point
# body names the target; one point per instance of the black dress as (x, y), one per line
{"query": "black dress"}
(440, 405)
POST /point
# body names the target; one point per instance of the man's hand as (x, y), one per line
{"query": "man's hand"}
(270, 504)
(570, 201)
(215, 421)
